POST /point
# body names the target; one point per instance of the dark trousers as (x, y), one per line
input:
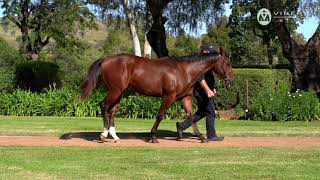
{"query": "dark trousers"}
(205, 108)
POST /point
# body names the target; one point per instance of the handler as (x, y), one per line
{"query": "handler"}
(204, 90)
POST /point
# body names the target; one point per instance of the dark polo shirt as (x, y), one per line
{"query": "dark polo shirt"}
(209, 78)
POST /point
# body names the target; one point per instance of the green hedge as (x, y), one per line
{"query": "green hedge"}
(276, 66)
(267, 100)
(37, 75)
(249, 83)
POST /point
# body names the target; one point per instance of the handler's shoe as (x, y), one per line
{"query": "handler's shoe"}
(215, 138)
(179, 130)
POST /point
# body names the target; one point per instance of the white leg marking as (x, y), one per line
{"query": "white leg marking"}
(105, 132)
(113, 133)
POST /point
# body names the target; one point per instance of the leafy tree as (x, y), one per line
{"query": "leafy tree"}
(39, 21)
(247, 49)
(117, 42)
(179, 14)
(9, 58)
(303, 58)
(249, 45)
(74, 61)
(218, 34)
(183, 44)
(134, 12)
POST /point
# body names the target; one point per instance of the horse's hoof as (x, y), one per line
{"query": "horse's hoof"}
(116, 141)
(204, 141)
(152, 140)
(102, 138)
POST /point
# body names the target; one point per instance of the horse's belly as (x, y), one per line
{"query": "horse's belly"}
(184, 92)
(146, 88)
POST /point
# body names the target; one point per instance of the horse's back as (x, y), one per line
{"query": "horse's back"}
(148, 77)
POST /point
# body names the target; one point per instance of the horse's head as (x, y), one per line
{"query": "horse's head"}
(224, 69)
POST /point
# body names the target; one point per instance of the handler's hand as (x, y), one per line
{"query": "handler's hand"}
(214, 91)
(211, 93)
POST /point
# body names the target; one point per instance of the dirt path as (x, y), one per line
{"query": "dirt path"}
(163, 142)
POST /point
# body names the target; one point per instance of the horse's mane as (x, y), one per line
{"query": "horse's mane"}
(197, 57)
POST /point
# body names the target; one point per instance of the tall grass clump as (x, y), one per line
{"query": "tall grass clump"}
(62, 102)
(66, 102)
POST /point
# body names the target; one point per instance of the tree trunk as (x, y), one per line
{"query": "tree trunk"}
(269, 54)
(157, 34)
(29, 50)
(26, 43)
(133, 31)
(147, 48)
(312, 70)
(304, 59)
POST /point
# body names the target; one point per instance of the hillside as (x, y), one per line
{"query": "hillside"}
(92, 36)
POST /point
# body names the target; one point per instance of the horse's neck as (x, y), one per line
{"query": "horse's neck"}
(196, 69)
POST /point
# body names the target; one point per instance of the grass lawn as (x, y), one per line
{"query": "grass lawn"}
(158, 163)
(56, 126)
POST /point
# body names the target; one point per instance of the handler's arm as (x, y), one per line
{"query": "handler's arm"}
(205, 86)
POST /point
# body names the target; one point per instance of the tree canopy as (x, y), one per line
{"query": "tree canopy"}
(303, 58)
(162, 20)
(39, 21)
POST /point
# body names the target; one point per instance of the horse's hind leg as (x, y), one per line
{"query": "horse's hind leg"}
(107, 117)
(104, 134)
(112, 128)
(187, 106)
(112, 113)
(108, 108)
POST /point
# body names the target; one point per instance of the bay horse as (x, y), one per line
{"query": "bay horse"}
(171, 78)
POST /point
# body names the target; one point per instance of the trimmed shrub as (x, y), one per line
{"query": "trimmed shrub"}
(276, 66)
(9, 58)
(37, 75)
(249, 83)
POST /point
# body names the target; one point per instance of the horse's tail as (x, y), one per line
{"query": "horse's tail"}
(90, 81)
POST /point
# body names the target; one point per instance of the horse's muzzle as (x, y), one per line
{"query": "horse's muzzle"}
(229, 81)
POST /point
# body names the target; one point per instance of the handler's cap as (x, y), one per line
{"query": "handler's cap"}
(207, 47)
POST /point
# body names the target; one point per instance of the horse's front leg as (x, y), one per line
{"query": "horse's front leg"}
(154, 129)
(187, 105)
(166, 102)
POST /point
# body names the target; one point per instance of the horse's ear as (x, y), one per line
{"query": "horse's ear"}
(222, 53)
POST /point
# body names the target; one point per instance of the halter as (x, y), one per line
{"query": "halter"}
(226, 76)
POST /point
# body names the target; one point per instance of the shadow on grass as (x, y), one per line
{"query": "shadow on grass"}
(95, 136)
